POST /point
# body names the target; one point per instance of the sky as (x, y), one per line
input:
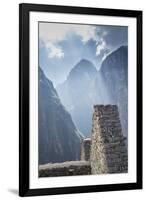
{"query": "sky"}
(62, 46)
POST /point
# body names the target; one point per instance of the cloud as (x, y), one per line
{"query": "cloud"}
(56, 32)
(54, 51)
(53, 33)
(105, 37)
(86, 32)
(101, 45)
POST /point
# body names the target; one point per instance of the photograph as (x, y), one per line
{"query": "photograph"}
(82, 99)
(80, 102)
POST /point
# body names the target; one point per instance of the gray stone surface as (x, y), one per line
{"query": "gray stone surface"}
(108, 149)
(69, 168)
(85, 149)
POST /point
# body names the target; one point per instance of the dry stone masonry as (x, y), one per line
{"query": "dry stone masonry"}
(108, 149)
(104, 152)
(85, 149)
(70, 168)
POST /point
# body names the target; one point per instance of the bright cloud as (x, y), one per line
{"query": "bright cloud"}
(55, 32)
(54, 51)
(101, 45)
(85, 32)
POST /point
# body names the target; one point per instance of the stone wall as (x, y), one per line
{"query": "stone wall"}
(85, 149)
(108, 149)
(69, 168)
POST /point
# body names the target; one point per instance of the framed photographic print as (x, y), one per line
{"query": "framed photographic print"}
(80, 99)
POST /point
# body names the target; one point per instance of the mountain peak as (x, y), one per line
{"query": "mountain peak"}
(77, 94)
(116, 58)
(82, 67)
(123, 47)
(84, 61)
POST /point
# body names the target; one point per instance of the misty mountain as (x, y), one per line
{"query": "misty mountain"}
(85, 86)
(78, 96)
(114, 78)
(59, 139)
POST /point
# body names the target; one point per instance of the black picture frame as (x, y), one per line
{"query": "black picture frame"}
(24, 187)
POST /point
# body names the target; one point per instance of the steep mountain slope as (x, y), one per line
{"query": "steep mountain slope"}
(59, 139)
(114, 77)
(77, 94)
